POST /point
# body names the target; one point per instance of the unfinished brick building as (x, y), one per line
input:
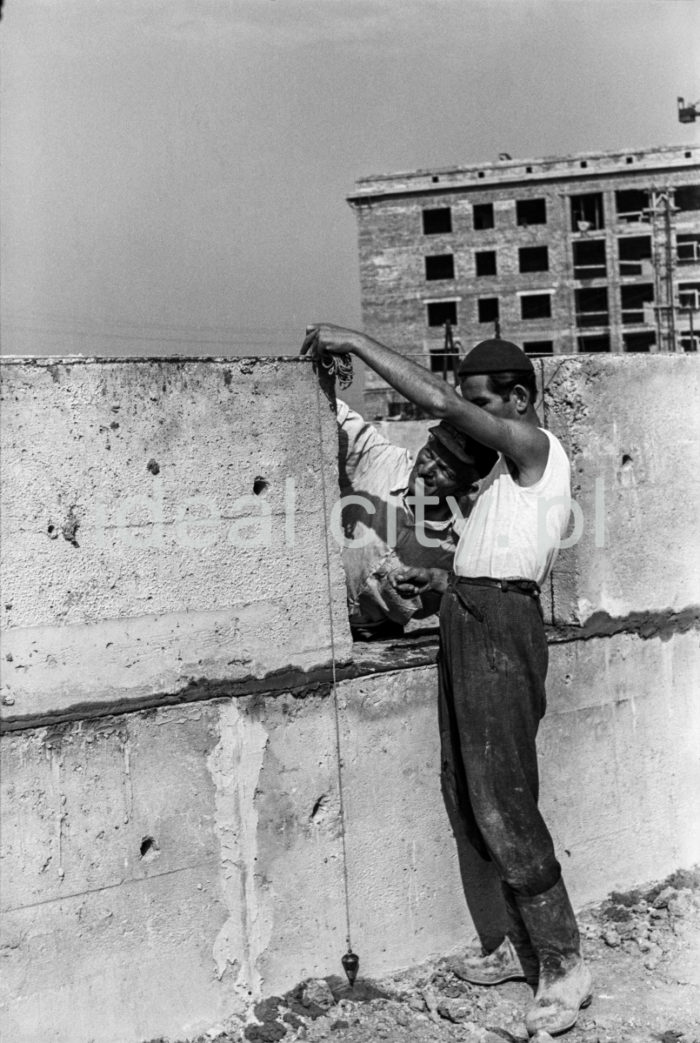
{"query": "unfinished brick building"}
(594, 252)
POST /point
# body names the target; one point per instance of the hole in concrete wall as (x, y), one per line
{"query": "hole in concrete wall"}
(52, 531)
(149, 849)
(626, 460)
(70, 528)
(319, 807)
(153, 466)
(260, 485)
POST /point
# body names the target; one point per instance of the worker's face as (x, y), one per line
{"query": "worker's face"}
(477, 390)
(440, 478)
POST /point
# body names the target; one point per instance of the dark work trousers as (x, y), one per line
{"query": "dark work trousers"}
(492, 669)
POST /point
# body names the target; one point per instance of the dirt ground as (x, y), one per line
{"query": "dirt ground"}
(643, 948)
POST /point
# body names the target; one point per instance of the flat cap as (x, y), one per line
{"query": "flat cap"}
(495, 356)
(464, 449)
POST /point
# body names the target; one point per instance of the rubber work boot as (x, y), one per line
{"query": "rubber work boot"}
(513, 960)
(565, 983)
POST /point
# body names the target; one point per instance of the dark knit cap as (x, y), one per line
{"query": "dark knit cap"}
(495, 356)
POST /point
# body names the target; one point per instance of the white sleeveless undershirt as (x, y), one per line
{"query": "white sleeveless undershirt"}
(514, 531)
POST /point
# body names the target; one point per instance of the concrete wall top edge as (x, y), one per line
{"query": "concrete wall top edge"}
(236, 360)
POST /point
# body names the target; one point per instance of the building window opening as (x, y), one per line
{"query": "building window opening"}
(631, 204)
(592, 307)
(440, 266)
(688, 249)
(589, 259)
(587, 212)
(485, 262)
(531, 211)
(533, 259)
(437, 221)
(687, 197)
(599, 342)
(440, 312)
(483, 216)
(538, 347)
(689, 341)
(643, 340)
(633, 299)
(488, 309)
(689, 295)
(635, 255)
(536, 306)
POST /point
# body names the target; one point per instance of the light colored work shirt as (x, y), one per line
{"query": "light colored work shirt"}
(380, 534)
(514, 531)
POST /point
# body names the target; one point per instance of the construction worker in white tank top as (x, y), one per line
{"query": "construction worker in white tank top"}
(493, 656)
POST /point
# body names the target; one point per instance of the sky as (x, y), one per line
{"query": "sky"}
(175, 172)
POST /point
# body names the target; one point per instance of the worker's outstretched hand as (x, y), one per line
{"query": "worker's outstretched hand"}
(324, 338)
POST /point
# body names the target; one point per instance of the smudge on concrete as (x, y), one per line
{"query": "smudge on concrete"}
(646, 625)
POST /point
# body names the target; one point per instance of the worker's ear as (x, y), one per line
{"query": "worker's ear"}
(521, 397)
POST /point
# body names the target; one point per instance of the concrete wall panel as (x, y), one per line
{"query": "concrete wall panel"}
(631, 426)
(241, 892)
(138, 552)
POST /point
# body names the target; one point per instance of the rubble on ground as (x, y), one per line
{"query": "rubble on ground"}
(643, 947)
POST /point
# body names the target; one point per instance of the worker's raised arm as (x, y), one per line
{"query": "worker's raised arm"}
(525, 444)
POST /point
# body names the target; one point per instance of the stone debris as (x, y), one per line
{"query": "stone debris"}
(632, 942)
(318, 991)
(454, 1009)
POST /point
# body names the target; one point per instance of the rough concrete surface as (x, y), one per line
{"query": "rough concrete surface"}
(163, 521)
(631, 427)
(643, 948)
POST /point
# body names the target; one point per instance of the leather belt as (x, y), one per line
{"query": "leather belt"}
(519, 586)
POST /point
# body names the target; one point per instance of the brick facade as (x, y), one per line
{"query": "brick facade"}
(591, 252)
